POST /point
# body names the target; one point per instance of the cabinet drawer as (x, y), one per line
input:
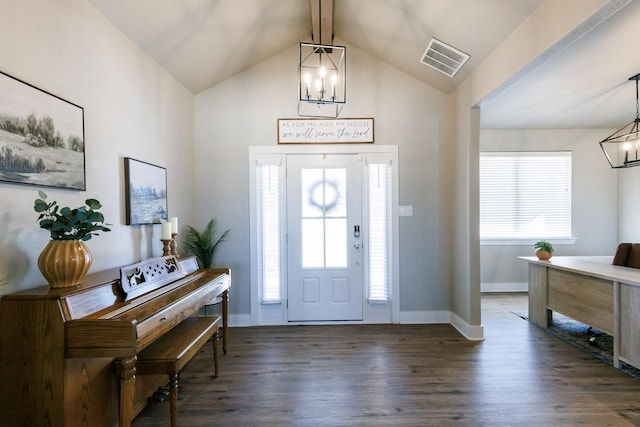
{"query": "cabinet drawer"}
(585, 299)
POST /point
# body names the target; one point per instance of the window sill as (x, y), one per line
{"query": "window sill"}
(526, 241)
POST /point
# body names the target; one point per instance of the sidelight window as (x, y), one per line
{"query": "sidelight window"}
(379, 229)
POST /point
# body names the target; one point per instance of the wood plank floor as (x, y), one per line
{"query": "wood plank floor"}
(402, 375)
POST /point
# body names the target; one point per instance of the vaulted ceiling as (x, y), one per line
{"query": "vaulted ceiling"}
(204, 42)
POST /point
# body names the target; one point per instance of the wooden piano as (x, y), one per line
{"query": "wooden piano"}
(68, 355)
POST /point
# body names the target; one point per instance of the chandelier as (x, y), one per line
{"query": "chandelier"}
(322, 85)
(622, 148)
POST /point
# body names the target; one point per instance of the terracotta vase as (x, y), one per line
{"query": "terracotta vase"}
(543, 255)
(64, 263)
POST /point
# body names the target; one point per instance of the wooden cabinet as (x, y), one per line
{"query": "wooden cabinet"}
(593, 291)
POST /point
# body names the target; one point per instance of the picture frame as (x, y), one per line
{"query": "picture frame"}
(145, 192)
(325, 131)
(41, 137)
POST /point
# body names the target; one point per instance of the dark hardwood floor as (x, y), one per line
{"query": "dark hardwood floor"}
(402, 375)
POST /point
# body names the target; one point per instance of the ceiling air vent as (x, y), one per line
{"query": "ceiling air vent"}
(444, 58)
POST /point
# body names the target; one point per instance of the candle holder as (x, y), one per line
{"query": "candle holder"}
(166, 246)
(173, 245)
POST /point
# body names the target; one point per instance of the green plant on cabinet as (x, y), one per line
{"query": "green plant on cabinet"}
(65, 223)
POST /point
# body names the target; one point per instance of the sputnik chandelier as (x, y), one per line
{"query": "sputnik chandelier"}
(322, 78)
(622, 148)
(322, 84)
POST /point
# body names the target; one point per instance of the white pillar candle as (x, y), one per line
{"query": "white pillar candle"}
(166, 231)
(174, 224)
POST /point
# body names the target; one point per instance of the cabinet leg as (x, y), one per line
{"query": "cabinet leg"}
(126, 370)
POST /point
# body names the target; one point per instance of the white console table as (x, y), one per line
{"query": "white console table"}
(593, 291)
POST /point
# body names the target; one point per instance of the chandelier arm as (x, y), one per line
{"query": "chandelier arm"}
(637, 102)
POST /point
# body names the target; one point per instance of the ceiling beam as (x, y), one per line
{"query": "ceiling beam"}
(322, 21)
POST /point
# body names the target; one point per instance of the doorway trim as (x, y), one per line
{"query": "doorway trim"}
(275, 314)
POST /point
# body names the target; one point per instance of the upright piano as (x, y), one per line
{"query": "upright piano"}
(68, 355)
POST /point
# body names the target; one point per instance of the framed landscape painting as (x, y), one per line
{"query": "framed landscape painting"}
(145, 192)
(41, 137)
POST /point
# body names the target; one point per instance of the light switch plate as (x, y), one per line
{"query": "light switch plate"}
(405, 210)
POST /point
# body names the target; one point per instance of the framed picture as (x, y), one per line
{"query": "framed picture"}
(325, 131)
(41, 137)
(145, 187)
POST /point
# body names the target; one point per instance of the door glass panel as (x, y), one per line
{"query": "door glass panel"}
(336, 242)
(336, 192)
(312, 243)
(312, 196)
(324, 223)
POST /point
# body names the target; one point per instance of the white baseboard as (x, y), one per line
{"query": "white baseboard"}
(470, 332)
(425, 317)
(504, 287)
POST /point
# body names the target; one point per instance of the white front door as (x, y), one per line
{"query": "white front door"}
(324, 216)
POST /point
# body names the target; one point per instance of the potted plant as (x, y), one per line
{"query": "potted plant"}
(202, 244)
(544, 250)
(66, 259)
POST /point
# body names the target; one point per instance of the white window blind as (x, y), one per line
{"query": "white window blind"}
(525, 195)
(379, 229)
(269, 219)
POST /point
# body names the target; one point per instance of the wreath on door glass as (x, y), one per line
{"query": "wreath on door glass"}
(331, 195)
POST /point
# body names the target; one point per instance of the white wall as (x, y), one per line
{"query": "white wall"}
(628, 205)
(595, 200)
(243, 112)
(132, 107)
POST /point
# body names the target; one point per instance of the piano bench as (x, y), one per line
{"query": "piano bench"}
(171, 352)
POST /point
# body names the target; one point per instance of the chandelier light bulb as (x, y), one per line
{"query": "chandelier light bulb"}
(334, 80)
(307, 79)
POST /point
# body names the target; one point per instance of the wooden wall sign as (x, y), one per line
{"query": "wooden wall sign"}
(325, 131)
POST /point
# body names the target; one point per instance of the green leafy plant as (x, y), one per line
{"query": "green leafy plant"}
(544, 246)
(202, 244)
(70, 224)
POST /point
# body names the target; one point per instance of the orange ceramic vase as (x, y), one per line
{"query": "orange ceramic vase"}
(543, 255)
(64, 263)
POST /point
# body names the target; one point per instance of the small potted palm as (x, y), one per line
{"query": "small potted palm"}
(203, 244)
(544, 250)
(66, 259)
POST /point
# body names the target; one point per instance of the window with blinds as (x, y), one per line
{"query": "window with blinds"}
(525, 195)
(269, 218)
(379, 221)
